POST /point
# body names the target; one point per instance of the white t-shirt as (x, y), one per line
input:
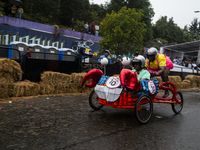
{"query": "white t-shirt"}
(86, 26)
(96, 27)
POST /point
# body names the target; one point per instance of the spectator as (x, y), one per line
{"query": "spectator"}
(90, 53)
(106, 53)
(72, 24)
(179, 62)
(92, 28)
(136, 54)
(86, 27)
(175, 60)
(26, 55)
(13, 10)
(183, 63)
(186, 63)
(81, 55)
(119, 59)
(20, 11)
(194, 65)
(96, 29)
(190, 64)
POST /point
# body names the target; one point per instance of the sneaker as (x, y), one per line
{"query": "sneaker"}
(166, 94)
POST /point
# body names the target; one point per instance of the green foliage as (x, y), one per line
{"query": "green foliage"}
(194, 29)
(79, 26)
(156, 46)
(186, 34)
(122, 32)
(1, 8)
(145, 5)
(168, 30)
(162, 40)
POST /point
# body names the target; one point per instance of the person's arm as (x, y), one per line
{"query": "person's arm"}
(162, 68)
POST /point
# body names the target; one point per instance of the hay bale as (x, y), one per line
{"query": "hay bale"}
(8, 66)
(6, 90)
(46, 89)
(193, 79)
(198, 81)
(175, 79)
(6, 77)
(178, 85)
(55, 78)
(188, 82)
(184, 85)
(77, 78)
(25, 88)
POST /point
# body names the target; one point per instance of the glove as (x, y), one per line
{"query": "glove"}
(155, 74)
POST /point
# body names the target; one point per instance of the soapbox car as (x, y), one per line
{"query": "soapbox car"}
(111, 91)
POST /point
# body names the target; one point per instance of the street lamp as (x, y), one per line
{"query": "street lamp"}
(196, 11)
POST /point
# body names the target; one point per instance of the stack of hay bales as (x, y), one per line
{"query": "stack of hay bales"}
(177, 81)
(10, 74)
(76, 81)
(55, 83)
(10, 71)
(194, 80)
(25, 88)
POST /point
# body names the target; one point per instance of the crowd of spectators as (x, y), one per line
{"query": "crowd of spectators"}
(92, 29)
(187, 63)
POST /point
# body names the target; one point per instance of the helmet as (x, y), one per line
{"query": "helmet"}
(152, 51)
(139, 59)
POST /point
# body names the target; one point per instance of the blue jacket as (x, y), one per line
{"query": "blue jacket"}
(103, 56)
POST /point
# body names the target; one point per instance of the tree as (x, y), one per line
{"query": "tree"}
(186, 34)
(123, 32)
(194, 29)
(145, 5)
(168, 30)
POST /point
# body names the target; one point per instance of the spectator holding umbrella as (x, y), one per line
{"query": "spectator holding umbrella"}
(13, 10)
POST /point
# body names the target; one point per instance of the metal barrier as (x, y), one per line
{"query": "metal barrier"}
(33, 68)
(4, 47)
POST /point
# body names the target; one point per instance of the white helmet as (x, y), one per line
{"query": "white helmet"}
(152, 51)
(139, 59)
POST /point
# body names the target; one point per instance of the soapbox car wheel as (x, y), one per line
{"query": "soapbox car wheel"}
(175, 106)
(94, 101)
(143, 109)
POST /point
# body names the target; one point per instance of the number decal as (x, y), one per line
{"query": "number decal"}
(113, 82)
(151, 87)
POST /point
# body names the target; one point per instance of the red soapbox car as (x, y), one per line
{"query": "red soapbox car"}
(126, 92)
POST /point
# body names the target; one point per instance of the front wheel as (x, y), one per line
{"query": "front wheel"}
(94, 101)
(175, 106)
(143, 109)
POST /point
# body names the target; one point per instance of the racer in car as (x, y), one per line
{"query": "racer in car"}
(159, 64)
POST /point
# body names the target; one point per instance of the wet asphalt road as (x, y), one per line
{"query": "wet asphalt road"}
(68, 122)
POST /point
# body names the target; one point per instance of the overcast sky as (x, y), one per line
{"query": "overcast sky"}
(182, 11)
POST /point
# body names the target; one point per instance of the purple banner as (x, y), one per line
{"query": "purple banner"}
(47, 28)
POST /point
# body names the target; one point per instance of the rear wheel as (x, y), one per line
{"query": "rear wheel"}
(94, 101)
(143, 109)
(175, 106)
